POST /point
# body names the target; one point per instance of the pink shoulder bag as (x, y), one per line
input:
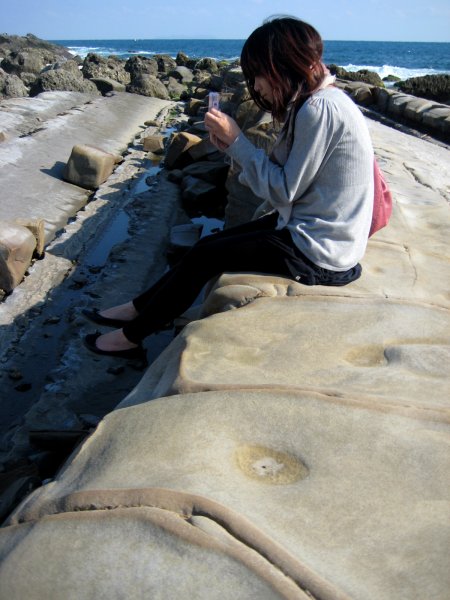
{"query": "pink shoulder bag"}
(382, 201)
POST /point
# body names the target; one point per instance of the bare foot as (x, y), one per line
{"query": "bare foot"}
(124, 312)
(114, 340)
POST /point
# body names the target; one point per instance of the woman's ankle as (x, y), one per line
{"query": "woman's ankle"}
(115, 340)
(125, 312)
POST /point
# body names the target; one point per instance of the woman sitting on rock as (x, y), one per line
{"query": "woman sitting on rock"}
(318, 182)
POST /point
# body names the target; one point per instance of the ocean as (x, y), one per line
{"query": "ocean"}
(402, 59)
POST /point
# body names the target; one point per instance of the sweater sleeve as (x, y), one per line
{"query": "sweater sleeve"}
(317, 132)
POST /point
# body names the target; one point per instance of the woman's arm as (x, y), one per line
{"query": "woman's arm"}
(317, 131)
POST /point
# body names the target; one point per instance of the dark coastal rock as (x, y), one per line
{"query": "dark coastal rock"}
(207, 64)
(106, 86)
(111, 67)
(233, 77)
(16, 44)
(209, 171)
(434, 87)
(391, 79)
(193, 106)
(363, 75)
(200, 197)
(183, 60)
(248, 114)
(26, 61)
(214, 82)
(175, 88)
(71, 66)
(11, 86)
(138, 65)
(148, 85)
(27, 56)
(203, 80)
(165, 63)
(62, 80)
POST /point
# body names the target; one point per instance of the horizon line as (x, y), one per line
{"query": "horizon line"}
(233, 39)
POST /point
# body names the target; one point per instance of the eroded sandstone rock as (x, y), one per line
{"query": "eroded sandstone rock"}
(89, 166)
(308, 480)
(17, 245)
(180, 143)
(153, 143)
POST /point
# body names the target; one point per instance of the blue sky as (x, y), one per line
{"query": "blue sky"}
(396, 20)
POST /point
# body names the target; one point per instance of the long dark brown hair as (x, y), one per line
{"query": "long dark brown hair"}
(287, 52)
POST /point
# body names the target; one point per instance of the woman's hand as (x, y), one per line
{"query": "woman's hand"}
(223, 130)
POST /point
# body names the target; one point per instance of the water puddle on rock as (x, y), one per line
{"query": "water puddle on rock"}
(116, 232)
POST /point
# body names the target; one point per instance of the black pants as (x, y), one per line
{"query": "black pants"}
(253, 247)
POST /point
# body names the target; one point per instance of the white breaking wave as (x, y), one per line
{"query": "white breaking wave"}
(401, 72)
(83, 51)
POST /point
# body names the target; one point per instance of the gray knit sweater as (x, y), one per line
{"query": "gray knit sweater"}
(319, 178)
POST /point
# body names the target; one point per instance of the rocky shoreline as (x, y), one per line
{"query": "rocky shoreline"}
(30, 66)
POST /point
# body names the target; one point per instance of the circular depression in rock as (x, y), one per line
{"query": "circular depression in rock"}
(270, 466)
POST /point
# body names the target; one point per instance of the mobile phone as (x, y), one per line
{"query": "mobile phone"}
(213, 100)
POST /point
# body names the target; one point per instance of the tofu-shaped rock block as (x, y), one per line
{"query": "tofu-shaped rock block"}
(88, 166)
(37, 228)
(17, 245)
(154, 143)
(180, 143)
